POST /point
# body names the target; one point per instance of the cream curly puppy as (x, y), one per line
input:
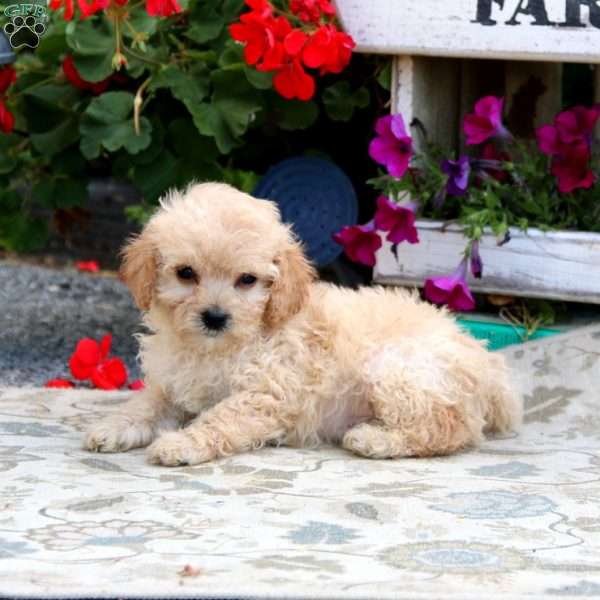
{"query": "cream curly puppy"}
(246, 349)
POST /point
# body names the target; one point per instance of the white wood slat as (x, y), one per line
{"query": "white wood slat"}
(450, 28)
(557, 265)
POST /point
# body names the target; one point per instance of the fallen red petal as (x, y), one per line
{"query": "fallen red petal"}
(59, 383)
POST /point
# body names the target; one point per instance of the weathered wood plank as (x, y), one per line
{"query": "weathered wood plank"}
(536, 30)
(556, 265)
(427, 89)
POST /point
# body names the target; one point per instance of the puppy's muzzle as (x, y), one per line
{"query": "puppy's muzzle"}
(214, 319)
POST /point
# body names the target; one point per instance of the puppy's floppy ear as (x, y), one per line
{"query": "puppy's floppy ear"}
(291, 287)
(138, 269)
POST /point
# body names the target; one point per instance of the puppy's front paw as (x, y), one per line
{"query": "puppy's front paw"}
(118, 434)
(177, 448)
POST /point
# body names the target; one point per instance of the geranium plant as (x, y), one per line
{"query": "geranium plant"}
(500, 182)
(160, 92)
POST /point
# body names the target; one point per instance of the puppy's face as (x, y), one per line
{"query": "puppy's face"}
(218, 266)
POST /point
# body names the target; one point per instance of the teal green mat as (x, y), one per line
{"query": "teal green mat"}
(500, 335)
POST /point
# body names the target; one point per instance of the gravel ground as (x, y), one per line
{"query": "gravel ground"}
(44, 312)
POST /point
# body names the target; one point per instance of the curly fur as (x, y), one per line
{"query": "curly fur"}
(300, 362)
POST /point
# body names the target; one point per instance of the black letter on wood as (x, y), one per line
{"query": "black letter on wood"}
(574, 13)
(535, 8)
(484, 11)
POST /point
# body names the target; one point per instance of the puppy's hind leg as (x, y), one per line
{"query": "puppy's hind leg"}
(421, 405)
(137, 424)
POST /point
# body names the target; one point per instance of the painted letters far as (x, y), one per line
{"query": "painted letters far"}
(489, 12)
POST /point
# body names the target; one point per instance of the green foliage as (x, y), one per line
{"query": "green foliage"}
(527, 196)
(184, 107)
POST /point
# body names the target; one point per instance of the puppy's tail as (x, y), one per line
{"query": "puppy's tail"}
(504, 405)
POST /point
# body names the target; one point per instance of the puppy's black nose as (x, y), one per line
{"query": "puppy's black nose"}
(214, 319)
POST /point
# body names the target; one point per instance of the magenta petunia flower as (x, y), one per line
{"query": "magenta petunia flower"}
(398, 219)
(476, 262)
(393, 146)
(486, 121)
(577, 124)
(458, 172)
(572, 169)
(360, 243)
(451, 290)
(569, 143)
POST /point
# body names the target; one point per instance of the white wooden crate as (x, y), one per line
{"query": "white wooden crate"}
(558, 265)
(448, 54)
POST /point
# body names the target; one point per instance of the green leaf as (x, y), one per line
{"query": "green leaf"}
(384, 78)
(189, 144)
(93, 44)
(258, 79)
(340, 101)
(245, 181)
(64, 192)
(8, 161)
(190, 88)
(20, 233)
(57, 139)
(207, 25)
(155, 178)
(295, 114)
(107, 123)
(234, 106)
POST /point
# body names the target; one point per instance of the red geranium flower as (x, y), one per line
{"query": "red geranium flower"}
(7, 77)
(292, 81)
(59, 383)
(7, 120)
(310, 11)
(90, 266)
(69, 9)
(162, 8)
(263, 37)
(77, 81)
(90, 361)
(87, 10)
(110, 374)
(328, 49)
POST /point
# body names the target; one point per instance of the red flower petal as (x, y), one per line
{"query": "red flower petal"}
(59, 383)
(88, 352)
(8, 76)
(80, 370)
(90, 266)
(110, 374)
(136, 385)
(105, 344)
(294, 42)
(7, 120)
(293, 82)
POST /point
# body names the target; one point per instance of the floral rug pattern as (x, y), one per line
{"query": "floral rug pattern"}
(519, 518)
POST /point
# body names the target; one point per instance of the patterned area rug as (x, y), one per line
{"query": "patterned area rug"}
(520, 518)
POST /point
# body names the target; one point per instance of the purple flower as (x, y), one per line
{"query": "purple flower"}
(476, 262)
(360, 243)
(458, 172)
(398, 219)
(393, 146)
(486, 121)
(451, 290)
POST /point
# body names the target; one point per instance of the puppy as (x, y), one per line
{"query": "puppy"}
(246, 349)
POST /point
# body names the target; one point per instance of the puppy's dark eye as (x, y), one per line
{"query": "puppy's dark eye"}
(186, 273)
(246, 280)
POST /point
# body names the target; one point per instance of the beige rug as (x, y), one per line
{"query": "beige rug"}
(519, 518)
